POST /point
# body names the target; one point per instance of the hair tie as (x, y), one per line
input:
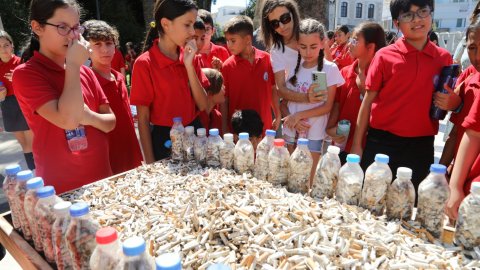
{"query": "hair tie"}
(152, 24)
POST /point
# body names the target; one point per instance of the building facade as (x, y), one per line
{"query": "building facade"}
(226, 13)
(354, 12)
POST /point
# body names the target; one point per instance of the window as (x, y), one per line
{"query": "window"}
(437, 23)
(460, 22)
(343, 9)
(371, 11)
(359, 10)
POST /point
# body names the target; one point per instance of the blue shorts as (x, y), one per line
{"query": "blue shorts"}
(314, 146)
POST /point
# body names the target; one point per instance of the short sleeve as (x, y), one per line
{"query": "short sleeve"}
(226, 80)
(271, 75)
(334, 77)
(374, 79)
(277, 60)
(142, 92)
(472, 121)
(95, 87)
(201, 76)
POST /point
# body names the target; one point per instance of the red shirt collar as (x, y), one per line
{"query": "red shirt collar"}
(351, 73)
(258, 55)
(103, 82)
(10, 62)
(405, 47)
(163, 60)
(46, 62)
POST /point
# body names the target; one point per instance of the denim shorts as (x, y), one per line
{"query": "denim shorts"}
(313, 145)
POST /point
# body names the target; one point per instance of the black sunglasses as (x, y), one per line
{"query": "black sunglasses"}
(284, 19)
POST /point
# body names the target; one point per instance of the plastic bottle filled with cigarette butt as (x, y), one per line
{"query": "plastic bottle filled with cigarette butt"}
(326, 175)
(401, 196)
(135, 255)
(226, 151)
(278, 163)
(213, 148)
(188, 144)
(20, 191)
(377, 179)
(467, 230)
(300, 164)
(9, 191)
(244, 154)
(349, 186)
(176, 137)
(30, 202)
(108, 253)
(59, 230)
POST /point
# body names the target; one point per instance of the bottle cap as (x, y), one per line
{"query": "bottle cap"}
(134, 246)
(169, 261)
(177, 119)
(475, 188)
(45, 192)
(24, 175)
(106, 236)
(352, 158)
(62, 207)
(243, 136)
(1, 83)
(189, 130)
(168, 144)
(201, 132)
(381, 158)
(12, 169)
(213, 132)
(270, 132)
(278, 142)
(34, 183)
(438, 168)
(79, 209)
(302, 141)
(228, 137)
(333, 149)
(219, 266)
(404, 172)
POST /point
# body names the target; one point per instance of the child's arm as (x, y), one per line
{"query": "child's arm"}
(276, 108)
(224, 111)
(448, 101)
(449, 148)
(362, 122)
(143, 113)
(290, 95)
(199, 94)
(104, 120)
(331, 129)
(467, 153)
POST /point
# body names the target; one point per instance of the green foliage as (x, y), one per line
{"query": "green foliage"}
(205, 4)
(14, 14)
(250, 11)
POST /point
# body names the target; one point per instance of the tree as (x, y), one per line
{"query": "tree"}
(15, 21)
(205, 4)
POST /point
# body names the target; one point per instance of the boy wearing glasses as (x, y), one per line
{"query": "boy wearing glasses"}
(213, 56)
(399, 91)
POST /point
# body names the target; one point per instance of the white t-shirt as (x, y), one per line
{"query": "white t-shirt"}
(304, 80)
(286, 60)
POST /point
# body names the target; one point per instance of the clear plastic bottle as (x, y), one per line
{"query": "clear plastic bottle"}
(467, 231)
(77, 139)
(59, 229)
(45, 217)
(108, 253)
(226, 151)
(300, 164)
(9, 191)
(169, 261)
(135, 256)
(219, 266)
(176, 137)
(20, 190)
(433, 193)
(31, 200)
(377, 179)
(80, 236)
(188, 142)
(244, 154)
(261, 155)
(401, 196)
(326, 175)
(349, 186)
(200, 147)
(213, 148)
(278, 163)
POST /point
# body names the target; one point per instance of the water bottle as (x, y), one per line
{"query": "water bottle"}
(59, 230)
(467, 230)
(188, 143)
(243, 154)
(108, 253)
(213, 148)
(278, 163)
(261, 156)
(300, 164)
(226, 151)
(45, 217)
(349, 187)
(433, 193)
(77, 139)
(135, 255)
(9, 191)
(326, 175)
(448, 76)
(30, 202)
(200, 147)
(343, 129)
(169, 261)
(20, 190)
(176, 137)
(377, 179)
(401, 196)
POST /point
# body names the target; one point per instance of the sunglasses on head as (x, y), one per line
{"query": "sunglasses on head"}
(284, 19)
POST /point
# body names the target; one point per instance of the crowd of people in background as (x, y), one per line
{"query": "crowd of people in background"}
(68, 104)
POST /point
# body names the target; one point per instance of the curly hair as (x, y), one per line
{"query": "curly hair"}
(100, 31)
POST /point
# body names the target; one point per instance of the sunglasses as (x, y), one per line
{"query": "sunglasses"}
(284, 19)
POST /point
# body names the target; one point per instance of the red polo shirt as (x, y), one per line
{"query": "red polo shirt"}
(348, 98)
(212, 120)
(249, 86)
(118, 62)
(341, 56)
(472, 121)
(403, 77)
(217, 51)
(124, 149)
(162, 84)
(39, 81)
(6, 68)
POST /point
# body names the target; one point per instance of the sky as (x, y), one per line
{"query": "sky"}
(221, 3)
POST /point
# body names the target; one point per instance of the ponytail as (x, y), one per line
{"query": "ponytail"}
(30, 48)
(321, 55)
(152, 34)
(293, 80)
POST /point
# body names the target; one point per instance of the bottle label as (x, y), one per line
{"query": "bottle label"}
(76, 139)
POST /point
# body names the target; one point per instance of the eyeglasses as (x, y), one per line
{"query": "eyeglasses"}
(353, 41)
(284, 19)
(410, 16)
(208, 29)
(65, 30)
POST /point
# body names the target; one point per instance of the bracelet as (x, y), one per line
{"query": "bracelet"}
(459, 108)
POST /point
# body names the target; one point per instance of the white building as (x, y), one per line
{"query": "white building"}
(354, 12)
(226, 13)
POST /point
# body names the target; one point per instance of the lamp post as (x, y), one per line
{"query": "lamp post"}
(98, 9)
(334, 3)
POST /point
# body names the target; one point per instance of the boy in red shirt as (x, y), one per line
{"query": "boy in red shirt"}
(213, 56)
(211, 117)
(340, 54)
(399, 85)
(118, 62)
(248, 75)
(124, 149)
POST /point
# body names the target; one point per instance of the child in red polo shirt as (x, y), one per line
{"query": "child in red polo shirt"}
(339, 52)
(62, 100)
(118, 62)
(366, 40)
(213, 56)
(211, 117)
(124, 149)
(165, 80)
(399, 94)
(248, 75)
